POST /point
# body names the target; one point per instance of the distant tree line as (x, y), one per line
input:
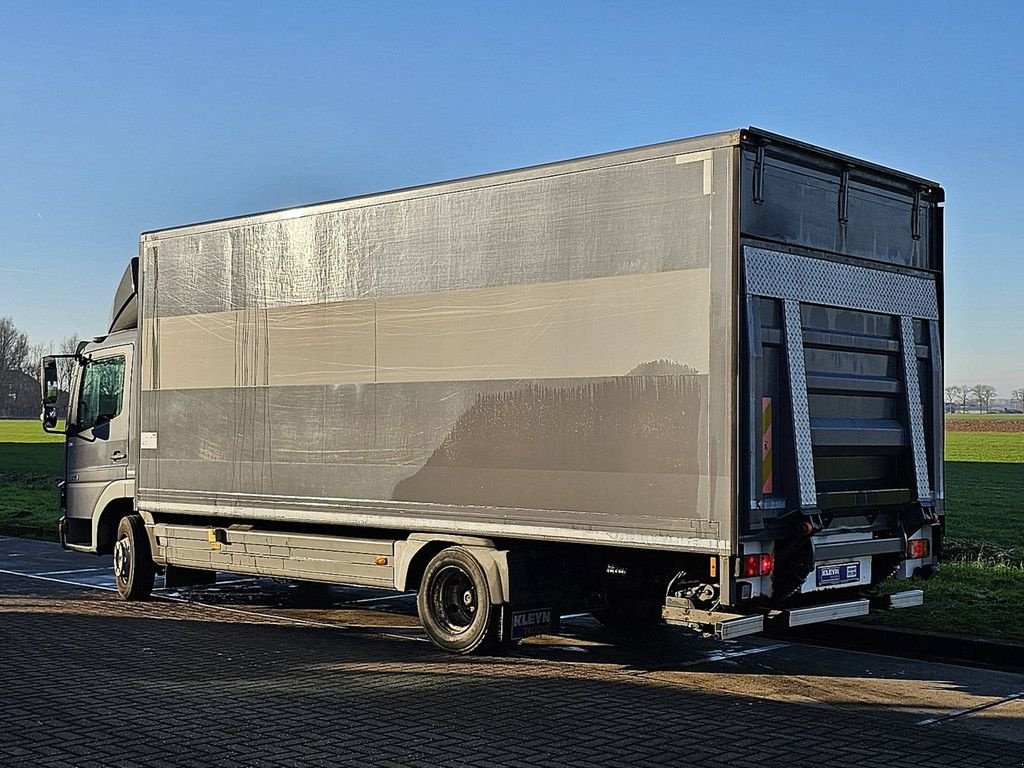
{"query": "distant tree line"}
(19, 369)
(962, 398)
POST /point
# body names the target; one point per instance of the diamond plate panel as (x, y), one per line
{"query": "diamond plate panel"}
(815, 281)
(912, 388)
(798, 401)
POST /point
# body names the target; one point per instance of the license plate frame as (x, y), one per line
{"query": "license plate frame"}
(835, 574)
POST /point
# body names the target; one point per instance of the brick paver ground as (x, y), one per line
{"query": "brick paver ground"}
(86, 680)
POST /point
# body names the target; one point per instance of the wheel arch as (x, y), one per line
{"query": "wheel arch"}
(116, 502)
(413, 554)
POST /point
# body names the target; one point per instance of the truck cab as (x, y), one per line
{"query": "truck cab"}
(99, 472)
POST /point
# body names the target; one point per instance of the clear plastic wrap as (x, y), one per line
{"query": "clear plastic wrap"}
(542, 353)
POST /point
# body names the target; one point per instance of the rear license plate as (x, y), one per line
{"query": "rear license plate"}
(529, 623)
(844, 573)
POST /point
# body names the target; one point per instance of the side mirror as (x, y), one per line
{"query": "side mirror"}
(49, 385)
(49, 417)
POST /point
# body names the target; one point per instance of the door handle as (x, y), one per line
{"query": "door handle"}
(118, 456)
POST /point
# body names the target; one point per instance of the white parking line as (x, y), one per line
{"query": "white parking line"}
(227, 609)
(103, 579)
(219, 582)
(726, 655)
(971, 710)
(79, 570)
(385, 597)
(57, 581)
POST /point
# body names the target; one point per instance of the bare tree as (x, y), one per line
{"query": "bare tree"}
(1017, 396)
(983, 394)
(957, 395)
(13, 346)
(35, 353)
(66, 366)
(15, 395)
(963, 397)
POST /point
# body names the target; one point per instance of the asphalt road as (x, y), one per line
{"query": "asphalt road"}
(260, 673)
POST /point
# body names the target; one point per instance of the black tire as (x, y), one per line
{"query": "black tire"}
(454, 603)
(134, 570)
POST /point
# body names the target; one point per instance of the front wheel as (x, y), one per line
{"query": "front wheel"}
(454, 603)
(134, 571)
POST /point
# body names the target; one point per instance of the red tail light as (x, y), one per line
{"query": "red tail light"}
(918, 548)
(757, 565)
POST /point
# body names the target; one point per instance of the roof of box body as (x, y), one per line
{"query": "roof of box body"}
(572, 165)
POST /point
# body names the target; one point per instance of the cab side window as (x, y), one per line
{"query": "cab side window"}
(101, 392)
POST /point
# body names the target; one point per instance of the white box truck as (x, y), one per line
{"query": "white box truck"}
(697, 382)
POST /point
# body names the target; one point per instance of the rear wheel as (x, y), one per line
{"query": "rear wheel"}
(454, 603)
(134, 571)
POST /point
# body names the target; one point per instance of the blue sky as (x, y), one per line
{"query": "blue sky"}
(119, 118)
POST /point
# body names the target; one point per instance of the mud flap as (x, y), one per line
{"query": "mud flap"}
(519, 622)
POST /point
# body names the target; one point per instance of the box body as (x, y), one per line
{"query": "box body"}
(547, 353)
(675, 347)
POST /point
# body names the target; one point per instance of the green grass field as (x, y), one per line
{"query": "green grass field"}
(31, 462)
(985, 502)
(985, 489)
(965, 598)
(980, 588)
(995, 447)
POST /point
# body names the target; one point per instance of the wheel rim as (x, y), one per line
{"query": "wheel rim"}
(454, 599)
(123, 559)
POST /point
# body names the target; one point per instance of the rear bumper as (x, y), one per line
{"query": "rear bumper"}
(815, 614)
(906, 599)
(725, 626)
(798, 617)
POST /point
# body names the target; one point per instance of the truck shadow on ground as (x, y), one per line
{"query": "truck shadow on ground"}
(116, 680)
(346, 614)
(582, 638)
